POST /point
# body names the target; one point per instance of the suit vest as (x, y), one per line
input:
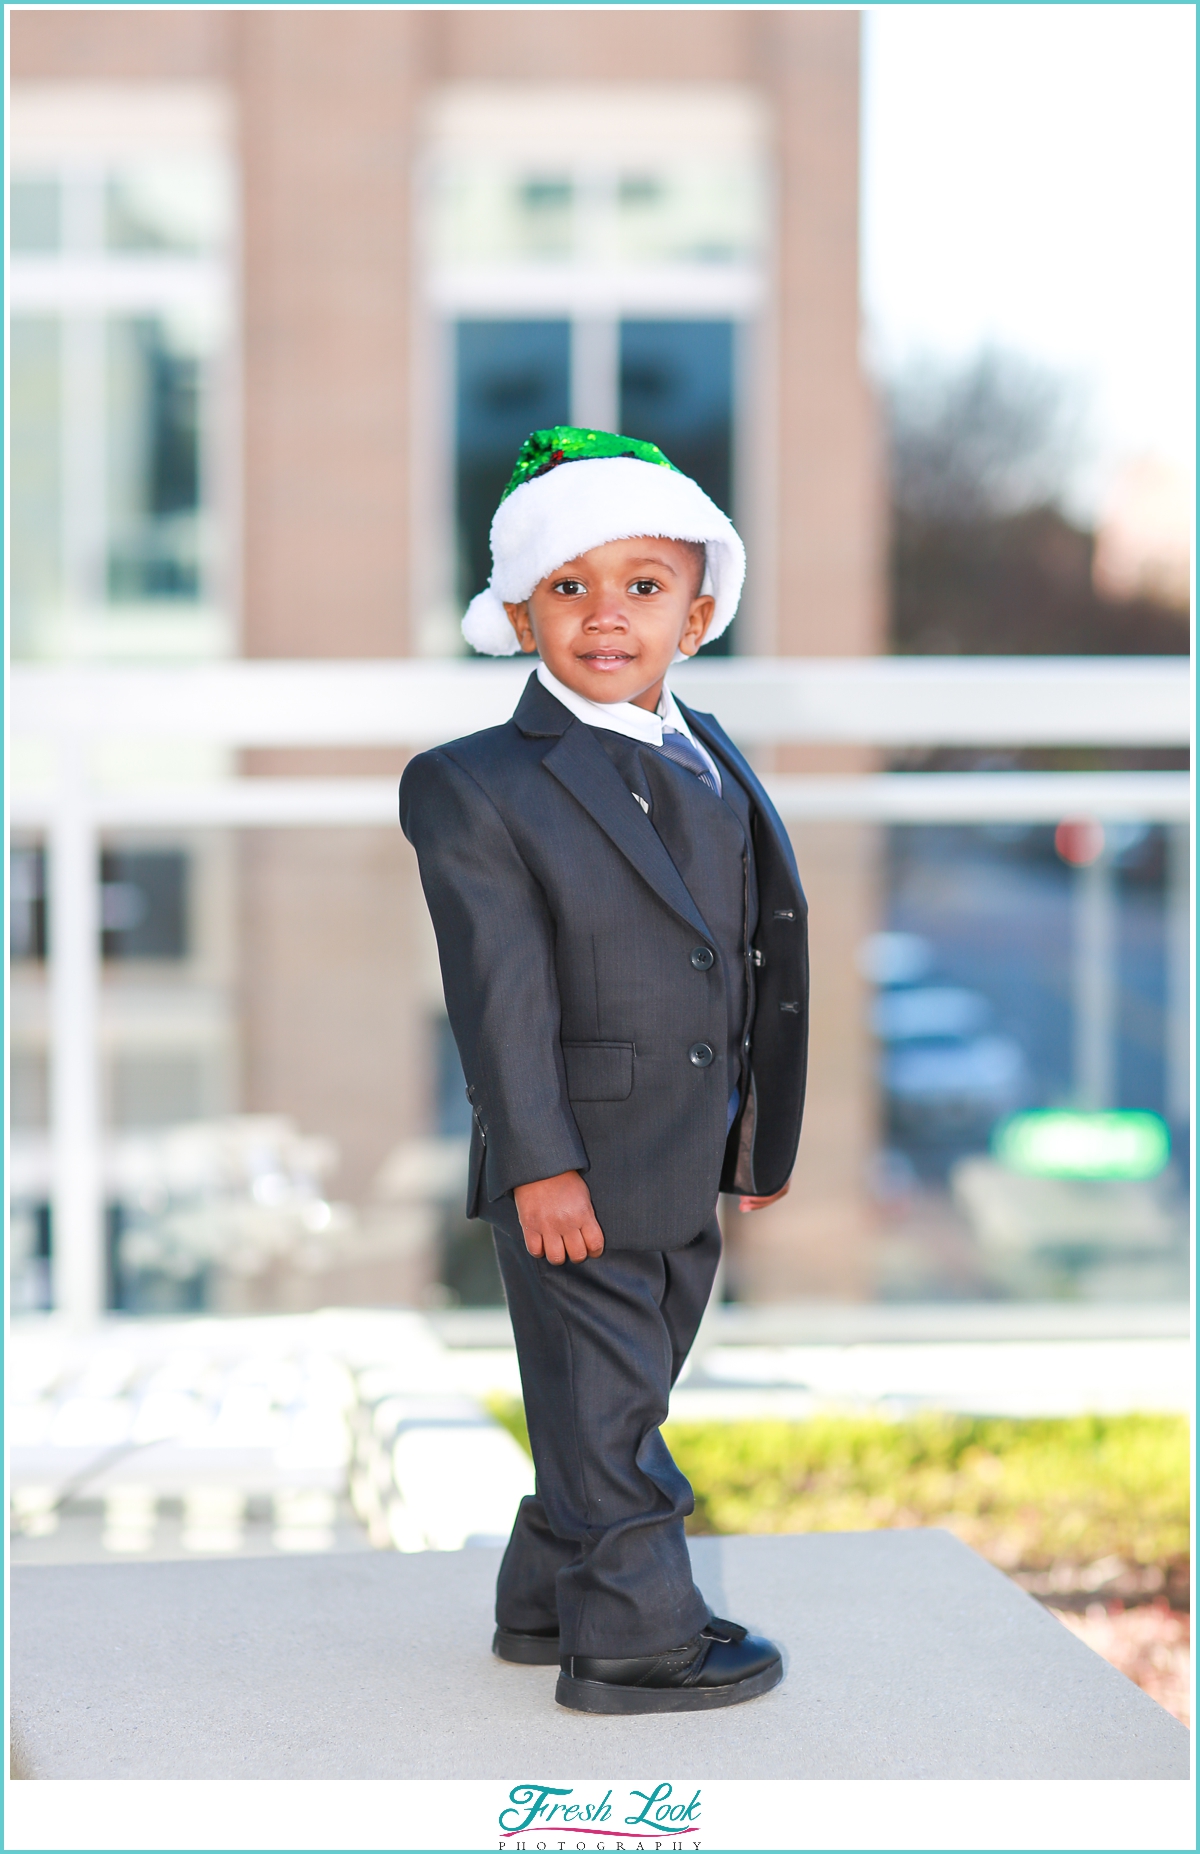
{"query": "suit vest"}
(709, 841)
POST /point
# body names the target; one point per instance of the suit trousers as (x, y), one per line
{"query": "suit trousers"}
(600, 1548)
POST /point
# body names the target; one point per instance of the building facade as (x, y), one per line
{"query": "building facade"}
(289, 287)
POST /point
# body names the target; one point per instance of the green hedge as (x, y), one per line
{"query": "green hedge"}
(1027, 1493)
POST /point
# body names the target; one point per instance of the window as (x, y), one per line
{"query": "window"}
(36, 213)
(512, 377)
(36, 476)
(155, 548)
(616, 286)
(677, 389)
(121, 217)
(999, 991)
(669, 381)
(144, 904)
(157, 1088)
(27, 902)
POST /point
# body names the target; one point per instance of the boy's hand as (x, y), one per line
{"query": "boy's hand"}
(557, 1219)
(760, 1203)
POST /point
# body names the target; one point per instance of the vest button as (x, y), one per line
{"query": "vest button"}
(702, 958)
(700, 1054)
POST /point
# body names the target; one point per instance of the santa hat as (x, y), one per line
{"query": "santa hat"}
(615, 488)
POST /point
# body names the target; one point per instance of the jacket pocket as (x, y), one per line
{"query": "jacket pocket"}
(599, 1071)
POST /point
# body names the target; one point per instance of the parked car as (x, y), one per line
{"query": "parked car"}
(944, 1069)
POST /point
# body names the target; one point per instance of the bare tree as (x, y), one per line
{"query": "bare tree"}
(984, 556)
(990, 437)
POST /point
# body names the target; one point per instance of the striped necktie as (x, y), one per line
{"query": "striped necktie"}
(677, 747)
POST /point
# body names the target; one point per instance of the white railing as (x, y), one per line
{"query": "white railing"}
(878, 701)
(891, 798)
(881, 702)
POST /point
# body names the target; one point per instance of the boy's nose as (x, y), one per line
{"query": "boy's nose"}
(607, 614)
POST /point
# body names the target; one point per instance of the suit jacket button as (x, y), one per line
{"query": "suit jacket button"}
(700, 1054)
(702, 958)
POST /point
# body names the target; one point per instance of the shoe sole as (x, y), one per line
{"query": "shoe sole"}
(599, 1696)
(526, 1650)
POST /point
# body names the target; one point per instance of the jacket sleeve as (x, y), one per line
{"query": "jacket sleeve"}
(496, 946)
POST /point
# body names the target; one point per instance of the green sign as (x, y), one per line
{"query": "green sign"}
(1056, 1143)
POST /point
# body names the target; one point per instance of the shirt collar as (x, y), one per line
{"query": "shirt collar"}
(619, 717)
(628, 719)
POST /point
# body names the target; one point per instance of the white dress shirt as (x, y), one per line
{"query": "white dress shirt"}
(628, 719)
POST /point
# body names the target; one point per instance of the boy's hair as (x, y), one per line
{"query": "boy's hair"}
(698, 555)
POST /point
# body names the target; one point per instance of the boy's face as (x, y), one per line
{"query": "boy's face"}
(609, 623)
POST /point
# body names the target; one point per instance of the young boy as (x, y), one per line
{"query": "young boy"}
(622, 935)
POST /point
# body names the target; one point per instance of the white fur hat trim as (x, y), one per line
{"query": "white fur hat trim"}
(578, 506)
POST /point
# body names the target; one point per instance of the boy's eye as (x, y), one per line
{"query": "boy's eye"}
(571, 587)
(644, 587)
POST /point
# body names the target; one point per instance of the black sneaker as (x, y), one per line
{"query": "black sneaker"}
(719, 1667)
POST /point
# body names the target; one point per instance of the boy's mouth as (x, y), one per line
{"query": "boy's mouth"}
(606, 659)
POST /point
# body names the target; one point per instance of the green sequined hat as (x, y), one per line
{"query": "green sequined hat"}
(573, 489)
(545, 450)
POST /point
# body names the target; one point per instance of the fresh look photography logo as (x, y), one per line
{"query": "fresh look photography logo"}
(559, 1816)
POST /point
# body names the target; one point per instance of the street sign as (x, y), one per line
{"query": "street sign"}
(1059, 1143)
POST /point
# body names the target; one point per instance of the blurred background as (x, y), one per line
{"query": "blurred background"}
(909, 292)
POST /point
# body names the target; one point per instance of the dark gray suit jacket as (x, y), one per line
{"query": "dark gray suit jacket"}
(566, 938)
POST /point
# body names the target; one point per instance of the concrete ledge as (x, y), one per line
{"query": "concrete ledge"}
(908, 1656)
(825, 1322)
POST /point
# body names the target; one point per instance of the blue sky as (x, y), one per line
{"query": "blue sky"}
(1029, 178)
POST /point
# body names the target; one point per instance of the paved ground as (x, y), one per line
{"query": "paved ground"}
(907, 1656)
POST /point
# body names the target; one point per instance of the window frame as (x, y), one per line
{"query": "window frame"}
(81, 135)
(594, 295)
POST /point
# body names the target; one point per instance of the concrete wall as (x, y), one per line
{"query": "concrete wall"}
(333, 1017)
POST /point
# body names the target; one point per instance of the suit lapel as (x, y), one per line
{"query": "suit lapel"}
(580, 764)
(718, 742)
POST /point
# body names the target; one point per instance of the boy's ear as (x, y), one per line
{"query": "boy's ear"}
(700, 616)
(518, 618)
